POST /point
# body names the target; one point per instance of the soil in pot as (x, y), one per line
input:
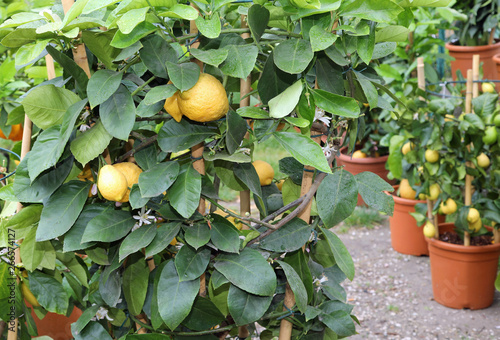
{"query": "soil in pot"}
(463, 277)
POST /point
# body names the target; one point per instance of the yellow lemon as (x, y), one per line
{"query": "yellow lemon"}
(487, 87)
(448, 207)
(473, 216)
(449, 118)
(476, 226)
(111, 183)
(429, 230)
(131, 173)
(431, 156)
(206, 101)
(279, 184)
(406, 191)
(177, 154)
(27, 294)
(483, 160)
(265, 172)
(359, 154)
(407, 147)
(434, 191)
(230, 218)
(422, 196)
(173, 242)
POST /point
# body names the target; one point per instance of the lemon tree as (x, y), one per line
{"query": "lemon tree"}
(156, 262)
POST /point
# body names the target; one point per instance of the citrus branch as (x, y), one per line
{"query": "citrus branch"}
(146, 142)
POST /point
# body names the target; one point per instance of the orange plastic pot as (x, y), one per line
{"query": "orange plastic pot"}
(359, 165)
(496, 59)
(463, 277)
(463, 59)
(57, 326)
(406, 236)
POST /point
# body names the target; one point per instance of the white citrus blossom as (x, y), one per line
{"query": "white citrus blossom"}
(101, 314)
(319, 114)
(143, 218)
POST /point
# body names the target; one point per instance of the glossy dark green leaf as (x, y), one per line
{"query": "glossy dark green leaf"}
(298, 261)
(46, 151)
(157, 179)
(135, 283)
(248, 271)
(102, 85)
(175, 137)
(225, 171)
(336, 104)
(185, 193)
(298, 288)
(372, 187)
(135, 198)
(322, 254)
(321, 39)
(99, 43)
(340, 322)
(84, 319)
(246, 308)
(211, 57)
(247, 174)
(204, 315)
(293, 55)
(190, 263)
(121, 40)
(72, 68)
(33, 253)
(111, 289)
(159, 93)
(118, 113)
(224, 235)
(165, 233)
(184, 76)
(236, 130)
(108, 226)
(49, 292)
(342, 256)
(137, 240)
(337, 197)
(368, 88)
(155, 53)
(290, 237)
(366, 45)
(62, 209)
(197, 235)
(175, 298)
(258, 18)
(240, 60)
(90, 144)
(273, 81)
(329, 76)
(209, 27)
(303, 149)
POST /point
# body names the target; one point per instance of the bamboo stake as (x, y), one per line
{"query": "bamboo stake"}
(491, 39)
(475, 75)
(468, 178)
(421, 73)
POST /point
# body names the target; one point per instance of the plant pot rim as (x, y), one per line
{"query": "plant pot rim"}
(461, 248)
(459, 48)
(401, 200)
(496, 58)
(368, 160)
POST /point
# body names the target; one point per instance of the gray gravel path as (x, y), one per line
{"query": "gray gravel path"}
(392, 295)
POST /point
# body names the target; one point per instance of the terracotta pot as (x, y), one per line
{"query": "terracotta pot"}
(496, 59)
(463, 59)
(57, 326)
(463, 277)
(406, 236)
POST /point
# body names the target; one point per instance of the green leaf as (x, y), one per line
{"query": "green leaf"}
(184, 76)
(246, 308)
(131, 19)
(240, 60)
(184, 195)
(90, 144)
(175, 298)
(299, 291)
(175, 137)
(368, 88)
(383, 49)
(45, 152)
(204, 315)
(159, 93)
(284, 103)
(102, 85)
(33, 253)
(135, 284)
(299, 262)
(366, 45)
(19, 37)
(224, 235)
(485, 104)
(290, 237)
(211, 57)
(340, 322)
(342, 256)
(121, 40)
(258, 18)
(84, 319)
(236, 130)
(137, 240)
(28, 54)
(210, 27)
(94, 5)
(252, 112)
(45, 105)
(165, 233)
(293, 55)
(197, 235)
(273, 81)
(225, 171)
(303, 149)
(247, 174)
(321, 39)
(392, 33)
(118, 114)
(155, 53)
(76, 266)
(158, 179)
(248, 271)
(336, 104)
(99, 43)
(25, 218)
(44, 185)
(109, 226)
(135, 198)
(190, 263)
(374, 10)
(181, 11)
(49, 292)
(72, 68)
(372, 187)
(62, 209)
(19, 19)
(93, 330)
(74, 11)
(337, 197)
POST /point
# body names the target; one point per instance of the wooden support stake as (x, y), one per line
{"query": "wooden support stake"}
(421, 73)
(468, 178)
(475, 75)
(491, 39)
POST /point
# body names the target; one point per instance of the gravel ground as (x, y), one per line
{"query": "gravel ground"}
(392, 295)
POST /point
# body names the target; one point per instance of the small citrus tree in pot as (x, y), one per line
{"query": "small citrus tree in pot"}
(115, 219)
